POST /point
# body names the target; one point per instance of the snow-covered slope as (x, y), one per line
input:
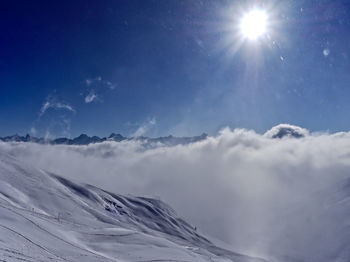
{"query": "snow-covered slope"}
(44, 217)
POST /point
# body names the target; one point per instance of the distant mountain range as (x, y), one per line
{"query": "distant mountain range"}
(84, 139)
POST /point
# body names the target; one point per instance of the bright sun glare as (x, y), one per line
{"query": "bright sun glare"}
(253, 24)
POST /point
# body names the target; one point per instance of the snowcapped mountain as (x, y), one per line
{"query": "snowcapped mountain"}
(84, 139)
(44, 217)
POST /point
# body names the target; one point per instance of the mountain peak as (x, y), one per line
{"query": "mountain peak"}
(286, 130)
(116, 137)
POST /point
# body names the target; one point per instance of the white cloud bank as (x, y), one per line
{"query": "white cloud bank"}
(270, 197)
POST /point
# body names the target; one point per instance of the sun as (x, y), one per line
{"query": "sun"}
(254, 24)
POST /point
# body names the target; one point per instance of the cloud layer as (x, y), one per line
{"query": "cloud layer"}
(268, 197)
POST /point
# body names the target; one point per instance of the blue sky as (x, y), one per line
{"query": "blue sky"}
(156, 67)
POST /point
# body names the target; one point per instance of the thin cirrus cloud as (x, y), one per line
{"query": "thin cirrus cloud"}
(90, 97)
(269, 197)
(53, 123)
(145, 127)
(96, 88)
(52, 103)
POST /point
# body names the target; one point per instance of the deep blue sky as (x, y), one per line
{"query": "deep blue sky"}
(166, 67)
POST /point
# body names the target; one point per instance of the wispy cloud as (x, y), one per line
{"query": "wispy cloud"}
(33, 130)
(53, 123)
(145, 127)
(90, 97)
(52, 103)
(96, 88)
(110, 85)
(91, 81)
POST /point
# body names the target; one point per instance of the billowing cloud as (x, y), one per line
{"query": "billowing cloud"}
(275, 198)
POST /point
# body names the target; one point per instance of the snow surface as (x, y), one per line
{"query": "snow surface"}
(44, 217)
